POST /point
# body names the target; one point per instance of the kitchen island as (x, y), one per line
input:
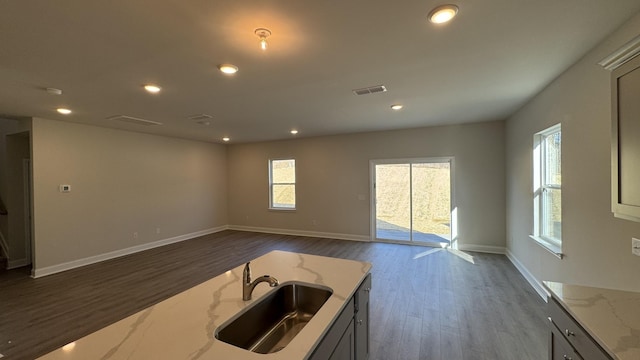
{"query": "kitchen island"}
(183, 326)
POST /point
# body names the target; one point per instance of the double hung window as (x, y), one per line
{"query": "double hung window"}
(282, 184)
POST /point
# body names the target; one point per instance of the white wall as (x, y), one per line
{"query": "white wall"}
(597, 245)
(121, 182)
(333, 170)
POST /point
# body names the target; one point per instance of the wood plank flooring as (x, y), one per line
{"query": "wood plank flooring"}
(425, 303)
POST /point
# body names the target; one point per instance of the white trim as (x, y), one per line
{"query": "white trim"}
(36, 273)
(26, 194)
(482, 248)
(13, 264)
(315, 234)
(549, 246)
(3, 245)
(622, 55)
(537, 285)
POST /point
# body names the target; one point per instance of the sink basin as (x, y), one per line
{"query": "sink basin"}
(273, 321)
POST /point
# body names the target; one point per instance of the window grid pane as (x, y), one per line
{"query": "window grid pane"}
(284, 196)
(552, 159)
(552, 214)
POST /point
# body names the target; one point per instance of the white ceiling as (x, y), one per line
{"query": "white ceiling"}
(484, 65)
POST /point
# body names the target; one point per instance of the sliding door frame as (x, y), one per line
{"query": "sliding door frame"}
(411, 161)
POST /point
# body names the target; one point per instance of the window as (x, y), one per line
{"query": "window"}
(282, 184)
(547, 189)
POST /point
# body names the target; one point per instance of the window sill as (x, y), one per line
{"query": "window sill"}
(554, 249)
(283, 209)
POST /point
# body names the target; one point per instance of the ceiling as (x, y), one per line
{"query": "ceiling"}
(484, 65)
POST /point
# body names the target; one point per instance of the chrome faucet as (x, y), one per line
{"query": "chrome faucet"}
(248, 286)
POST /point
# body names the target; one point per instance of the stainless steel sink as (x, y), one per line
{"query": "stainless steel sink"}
(273, 321)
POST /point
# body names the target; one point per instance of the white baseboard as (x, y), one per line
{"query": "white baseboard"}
(315, 234)
(36, 273)
(482, 248)
(13, 264)
(537, 285)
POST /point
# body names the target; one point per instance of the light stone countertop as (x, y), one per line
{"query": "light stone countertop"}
(183, 326)
(611, 317)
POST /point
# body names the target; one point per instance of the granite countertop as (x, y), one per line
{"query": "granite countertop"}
(611, 317)
(183, 326)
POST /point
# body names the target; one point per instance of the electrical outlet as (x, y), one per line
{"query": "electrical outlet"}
(135, 235)
(635, 246)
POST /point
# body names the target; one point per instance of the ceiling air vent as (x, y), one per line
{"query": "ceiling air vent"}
(200, 117)
(133, 120)
(370, 90)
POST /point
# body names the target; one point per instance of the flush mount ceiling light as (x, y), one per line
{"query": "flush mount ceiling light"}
(293, 132)
(443, 14)
(228, 69)
(396, 107)
(54, 91)
(63, 111)
(154, 89)
(263, 34)
(225, 139)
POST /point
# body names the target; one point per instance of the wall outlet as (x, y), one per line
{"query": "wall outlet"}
(65, 188)
(135, 235)
(635, 246)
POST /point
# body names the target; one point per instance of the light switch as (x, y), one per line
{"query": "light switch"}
(635, 246)
(65, 188)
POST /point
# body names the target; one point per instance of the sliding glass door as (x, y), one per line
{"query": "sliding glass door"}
(412, 200)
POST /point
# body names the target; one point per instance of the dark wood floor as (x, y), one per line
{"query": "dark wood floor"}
(425, 303)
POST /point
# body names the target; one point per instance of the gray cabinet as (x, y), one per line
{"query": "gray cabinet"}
(345, 349)
(625, 140)
(362, 319)
(567, 339)
(559, 347)
(348, 337)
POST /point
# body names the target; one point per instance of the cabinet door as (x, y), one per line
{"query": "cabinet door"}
(625, 141)
(362, 319)
(559, 348)
(345, 348)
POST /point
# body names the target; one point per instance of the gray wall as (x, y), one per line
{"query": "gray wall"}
(18, 149)
(597, 245)
(13, 148)
(121, 182)
(333, 171)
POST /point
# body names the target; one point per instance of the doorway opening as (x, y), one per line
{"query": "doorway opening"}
(412, 201)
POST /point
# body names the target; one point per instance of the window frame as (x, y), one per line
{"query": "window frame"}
(541, 187)
(272, 183)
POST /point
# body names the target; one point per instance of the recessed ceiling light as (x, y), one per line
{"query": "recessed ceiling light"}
(396, 107)
(63, 111)
(293, 132)
(228, 69)
(154, 89)
(225, 139)
(443, 14)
